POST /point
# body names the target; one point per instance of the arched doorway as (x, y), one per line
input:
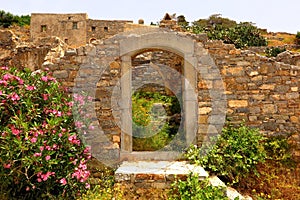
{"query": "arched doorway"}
(183, 49)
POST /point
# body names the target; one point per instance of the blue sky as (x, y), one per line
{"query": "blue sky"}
(283, 16)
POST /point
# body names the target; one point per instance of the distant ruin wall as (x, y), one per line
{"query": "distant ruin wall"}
(71, 28)
(100, 29)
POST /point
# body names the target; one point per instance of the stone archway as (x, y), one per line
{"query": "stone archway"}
(183, 47)
(114, 55)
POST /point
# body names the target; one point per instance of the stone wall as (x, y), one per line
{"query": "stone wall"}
(14, 52)
(71, 28)
(259, 91)
(100, 29)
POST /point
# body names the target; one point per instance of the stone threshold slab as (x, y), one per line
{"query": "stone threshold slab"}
(160, 171)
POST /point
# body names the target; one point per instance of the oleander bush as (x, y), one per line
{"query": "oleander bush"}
(42, 155)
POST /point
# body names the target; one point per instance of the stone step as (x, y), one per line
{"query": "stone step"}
(155, 174)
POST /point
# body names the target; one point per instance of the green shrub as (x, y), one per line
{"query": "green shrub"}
(7, 19)
(194, 189)
(41, 153)
(242, 35)
(277, 148)
(298, 37)
(151, 127)
(274, 51)
(234, 155)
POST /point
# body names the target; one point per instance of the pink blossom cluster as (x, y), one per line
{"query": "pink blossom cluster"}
(73, 139)
(47, 79)
(13, 96)
(54, 112)
(79, 98)
(81, 173)
(9, 77)
(44, 177)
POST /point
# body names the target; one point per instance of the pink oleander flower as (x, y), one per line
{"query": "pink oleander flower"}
(1, 92)
(63, 181)
(48, 148)
(44, 177)
(73, 139)
(54, 147)
(47, 157)
(4, 68)
(91, 127)
(33, 140)
(87, 186)
(14, 96)
(78, 124)
(45, 96)
(15, 131)
(3, 82)
(30, 87)
(37, 154)
(42, 148)
(44, 78)
(7, 166)
(6, 77)
(21, 82)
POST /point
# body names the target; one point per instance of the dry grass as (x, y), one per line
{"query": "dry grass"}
(279, 39)
(276, 181)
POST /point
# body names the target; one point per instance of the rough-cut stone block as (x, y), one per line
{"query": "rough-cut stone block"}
(205, 110)
(267, 87)
(269, 109)
(294, 119)
(237, 103)
(61, 74)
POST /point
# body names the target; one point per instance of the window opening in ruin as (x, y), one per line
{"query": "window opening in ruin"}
(93, 28)
(105, 28)
(43, 28)
(66, 40)
(75, 25)
(156, 108)
(69, 18)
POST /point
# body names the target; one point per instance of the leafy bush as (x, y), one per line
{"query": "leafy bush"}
(42, 155)
(298, 37)
(152, 127)
(278, 148)
(194, 189)
(235, 154)
(7, 19)
(274, 51)
(242, 35)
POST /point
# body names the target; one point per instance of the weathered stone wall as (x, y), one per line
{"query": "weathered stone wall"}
(160, 70)
(71, 28)
(100, 29)
(260, 91)
(14, 52)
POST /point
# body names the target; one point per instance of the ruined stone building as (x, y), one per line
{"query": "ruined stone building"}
(215, 81)
(74, 29)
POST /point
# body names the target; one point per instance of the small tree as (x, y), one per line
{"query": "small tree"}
(298, 38)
